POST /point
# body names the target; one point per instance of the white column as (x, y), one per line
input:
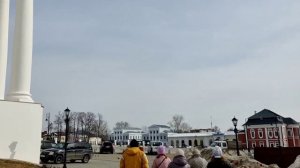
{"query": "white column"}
(22, 53)
(4, 17)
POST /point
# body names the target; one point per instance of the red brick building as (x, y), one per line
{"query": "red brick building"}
(268, 129)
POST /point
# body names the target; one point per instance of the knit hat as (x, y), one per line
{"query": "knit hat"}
(161, 150)
(134, 143)
(196, 152)
(217, 152)
(179, 152)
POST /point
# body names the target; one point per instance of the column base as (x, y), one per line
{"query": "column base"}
(19, 97)
(20, 127)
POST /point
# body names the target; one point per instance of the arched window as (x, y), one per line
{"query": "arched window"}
(190, 142)
(172, 143)
(270, 133)
(260, 133)
(177, 143)
(252, 133)
(195, 142)
(183, 144)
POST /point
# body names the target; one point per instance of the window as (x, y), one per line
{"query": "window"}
(150, 132)
(252, 133)
(270, 133)
(165, 137)
(289, 132)
(253, 144)
(261, 144)
(260, 133)
(275, 132)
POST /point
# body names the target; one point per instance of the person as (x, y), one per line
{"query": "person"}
(133, 157)
(196, 161)
(161, 160)
(217, 159)
(179, 160)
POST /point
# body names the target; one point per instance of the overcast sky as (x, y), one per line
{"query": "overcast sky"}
(143, 61)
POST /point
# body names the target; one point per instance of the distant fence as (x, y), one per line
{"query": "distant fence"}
(283, 156)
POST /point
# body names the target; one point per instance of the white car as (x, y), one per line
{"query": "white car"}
(152, 148)
(222, 144)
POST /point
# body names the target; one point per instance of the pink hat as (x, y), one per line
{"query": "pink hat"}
(161, 150)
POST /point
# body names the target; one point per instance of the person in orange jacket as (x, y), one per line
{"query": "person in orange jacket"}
(134, 157)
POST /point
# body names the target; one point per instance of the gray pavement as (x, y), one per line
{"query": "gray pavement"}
(98, 161)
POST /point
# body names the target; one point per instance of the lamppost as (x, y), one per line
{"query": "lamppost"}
(49, 124)
(67, 113)
(234, 121)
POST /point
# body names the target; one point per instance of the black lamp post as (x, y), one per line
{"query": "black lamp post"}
(49, 124)
(67, 113)
(234, 121)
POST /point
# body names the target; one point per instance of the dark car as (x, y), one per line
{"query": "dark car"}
(75, 151)
(107, 147)
(47, 145)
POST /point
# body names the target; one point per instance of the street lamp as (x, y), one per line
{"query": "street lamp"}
(49, 124)
(67, 113)
(234, 121)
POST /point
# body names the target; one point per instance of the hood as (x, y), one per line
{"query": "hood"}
(132, 151)
(179, 161)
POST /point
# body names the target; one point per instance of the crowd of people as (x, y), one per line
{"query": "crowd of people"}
(134, 157)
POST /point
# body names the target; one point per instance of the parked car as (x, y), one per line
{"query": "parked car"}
(222, 144)
(107, 147)
(47, 145)
(152, 148)
(75, 151)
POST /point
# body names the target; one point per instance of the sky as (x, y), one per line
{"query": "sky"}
(144, 61)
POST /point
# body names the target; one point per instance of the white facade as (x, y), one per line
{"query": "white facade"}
(179, 140)
(157, 133)
(20, 127)
(123, 136)
(20, 117)
(4, 17)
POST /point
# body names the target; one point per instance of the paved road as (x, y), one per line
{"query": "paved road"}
(98, 161)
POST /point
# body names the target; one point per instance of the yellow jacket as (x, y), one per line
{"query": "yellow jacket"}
(133, 157)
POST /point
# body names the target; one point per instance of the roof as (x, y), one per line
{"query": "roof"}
(196, 134)
(128, 128)
(266, 116)
(160, 126)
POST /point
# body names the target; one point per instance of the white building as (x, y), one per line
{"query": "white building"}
(157, 133)
(123, 136)
(179, 140)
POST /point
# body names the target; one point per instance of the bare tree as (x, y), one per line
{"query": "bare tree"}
(185, 127)
(216, 129)
(176, 123)
(101, 126)
(90, 124)
(145, 128)
(58, 121)
(121, 125)
(81, 118)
